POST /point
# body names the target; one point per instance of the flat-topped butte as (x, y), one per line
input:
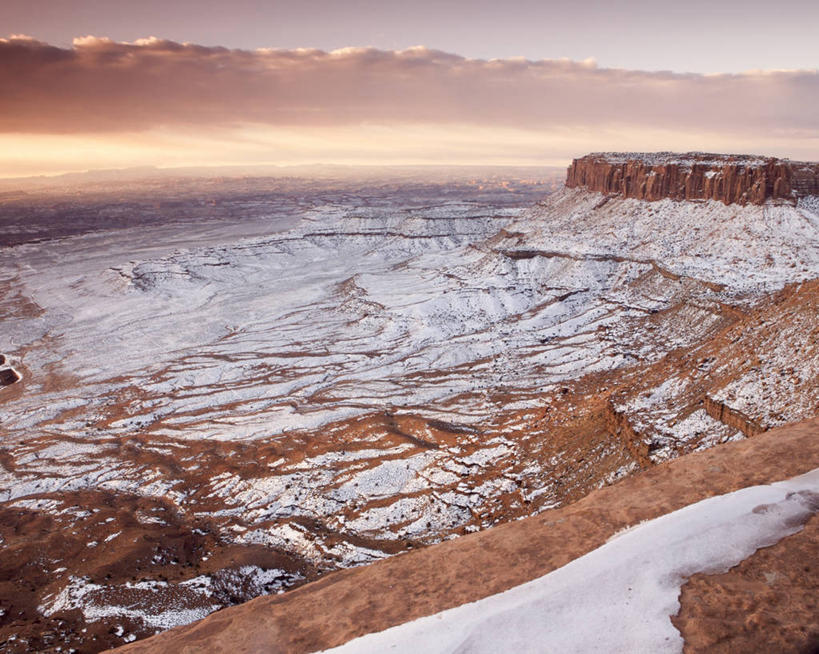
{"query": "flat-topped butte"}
(729, 178)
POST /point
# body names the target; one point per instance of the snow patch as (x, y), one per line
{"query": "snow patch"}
(619, 597)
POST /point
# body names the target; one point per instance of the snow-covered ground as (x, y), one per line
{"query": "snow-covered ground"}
(744, 248)
(214, 332)
(335, 382)
(619, 597)
(215, 335)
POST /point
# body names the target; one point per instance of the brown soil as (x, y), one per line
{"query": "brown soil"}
(167, 549)
(390, 592)
(770, 598)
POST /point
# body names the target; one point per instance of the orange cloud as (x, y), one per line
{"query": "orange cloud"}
(99, 85)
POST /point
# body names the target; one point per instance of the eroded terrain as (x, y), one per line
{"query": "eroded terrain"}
(215, 409)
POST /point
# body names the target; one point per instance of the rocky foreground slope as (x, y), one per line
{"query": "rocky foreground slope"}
(209, 412)
(766, 604)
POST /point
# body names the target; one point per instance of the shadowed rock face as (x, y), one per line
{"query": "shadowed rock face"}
(8, 376)
(741, 179)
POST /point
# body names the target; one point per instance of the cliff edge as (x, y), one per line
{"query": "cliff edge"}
(772, 613)
(729, 178)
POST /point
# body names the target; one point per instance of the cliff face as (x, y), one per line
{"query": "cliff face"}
(731, 417)
(619, 425)
(742, 179)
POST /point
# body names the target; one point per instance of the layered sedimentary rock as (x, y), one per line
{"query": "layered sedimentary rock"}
(742, 179)
(237, 406)
(466, 569)
(619, 425)
(731, 417)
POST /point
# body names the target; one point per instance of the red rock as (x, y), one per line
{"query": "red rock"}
(393, 591)
(742, 179)
(8, 377)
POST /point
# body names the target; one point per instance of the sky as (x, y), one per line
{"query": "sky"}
(106, 83)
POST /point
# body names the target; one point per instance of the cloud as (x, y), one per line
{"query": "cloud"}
(103, 86)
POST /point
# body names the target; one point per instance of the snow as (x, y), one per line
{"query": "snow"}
(173, 335)
(161, 604)
(681, 159)
(746, 249)
(618, 598)
(244, 337)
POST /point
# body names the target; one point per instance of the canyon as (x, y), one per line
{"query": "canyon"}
(763, 604)
(242, 395)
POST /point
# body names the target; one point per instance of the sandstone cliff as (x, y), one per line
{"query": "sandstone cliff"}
(731, 417)
(742, 179)
(619, 425)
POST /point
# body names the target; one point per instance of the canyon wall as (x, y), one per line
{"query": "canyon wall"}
(731, 417)
(619, 426)
(742, 179)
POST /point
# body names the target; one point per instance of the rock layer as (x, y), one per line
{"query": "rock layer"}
(741, 179)
(731, 417)
(371, 598)
(619, 426)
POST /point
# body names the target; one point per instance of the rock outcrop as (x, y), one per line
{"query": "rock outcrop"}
(731, 417)
(8, 376)
(620, 427)
(742, 179)
(393, 591)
